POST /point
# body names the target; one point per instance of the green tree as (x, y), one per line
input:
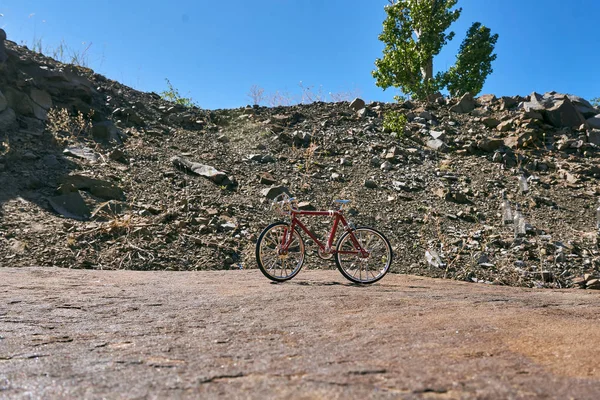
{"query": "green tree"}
(473, 62)
(414, 32)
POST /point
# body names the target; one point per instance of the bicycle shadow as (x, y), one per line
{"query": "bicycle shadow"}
(327, 283)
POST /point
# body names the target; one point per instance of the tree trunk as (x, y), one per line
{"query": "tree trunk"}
(427, 70)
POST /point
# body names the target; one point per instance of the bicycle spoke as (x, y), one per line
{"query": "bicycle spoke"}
(364, 269)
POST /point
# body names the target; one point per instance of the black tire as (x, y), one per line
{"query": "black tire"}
(268, 242)
(346, 263)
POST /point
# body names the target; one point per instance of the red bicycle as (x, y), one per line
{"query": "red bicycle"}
(362, 255)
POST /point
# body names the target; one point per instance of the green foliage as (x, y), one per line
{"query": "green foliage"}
(473, 62)
(394, 121)
(172, 95)
(596, 102)
(414, 32)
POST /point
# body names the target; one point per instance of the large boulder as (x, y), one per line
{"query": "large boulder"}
(41, 98)
(583, 106)
(3, 55)
(465, 105)
(536, 102)
(3, 102)
(357, 104)
(594, 122)
(8, 119)
(594, 137)
(563, 114)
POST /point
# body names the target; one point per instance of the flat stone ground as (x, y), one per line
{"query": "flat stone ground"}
(233, 334)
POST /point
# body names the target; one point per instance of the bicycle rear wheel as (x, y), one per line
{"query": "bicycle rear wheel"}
(275, 263)
(364, 269)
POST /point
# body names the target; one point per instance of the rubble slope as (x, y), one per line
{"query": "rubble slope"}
(94, 174)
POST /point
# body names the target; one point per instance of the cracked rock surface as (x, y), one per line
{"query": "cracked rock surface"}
(232, 334)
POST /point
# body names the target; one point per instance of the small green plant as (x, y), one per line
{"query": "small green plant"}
(394, 121)
(596, 102)
(172, 95)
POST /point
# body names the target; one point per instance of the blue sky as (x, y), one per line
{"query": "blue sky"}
(214, 51)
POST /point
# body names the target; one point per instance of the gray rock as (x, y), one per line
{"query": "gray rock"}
(506, 103)
(255, 157)
(50, 161)
(357, 104)
(483, 258)
(99, 188)
(563, 114)
(260, 158)
(306, 206)
(267, 179)
(426, 115)
(370, 184)
(480, 112)
(70, 205)
(41, 98)
(206, 171)
(274, 191)
(536, 103)
(505, 126)
(465, 105)
(490, 145)
(119, 156)
(594, 137)
(583, 106)
(375, 161)
(8, 120)
(301, 139)
(106, 131)
(3, 102)
(486, 99)
(19, 102)
(386, 166)
(438, 135)
(594, 122)
(82, 152)
(437, 145)
(3, 55)
(267, 158)
(491, 122)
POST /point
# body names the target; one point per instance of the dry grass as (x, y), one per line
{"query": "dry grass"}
(66, 127)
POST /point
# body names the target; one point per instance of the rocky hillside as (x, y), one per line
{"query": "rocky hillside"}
(94, 174)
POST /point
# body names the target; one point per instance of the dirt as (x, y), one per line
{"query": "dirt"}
(233, 334)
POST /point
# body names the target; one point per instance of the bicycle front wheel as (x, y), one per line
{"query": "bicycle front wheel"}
(276, 263)
(368, 267)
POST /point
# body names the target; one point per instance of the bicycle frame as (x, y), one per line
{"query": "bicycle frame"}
(328, 246)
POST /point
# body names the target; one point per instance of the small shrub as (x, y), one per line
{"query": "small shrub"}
(394, 121)
(66, 127)
(596, 102)
(172, 95)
